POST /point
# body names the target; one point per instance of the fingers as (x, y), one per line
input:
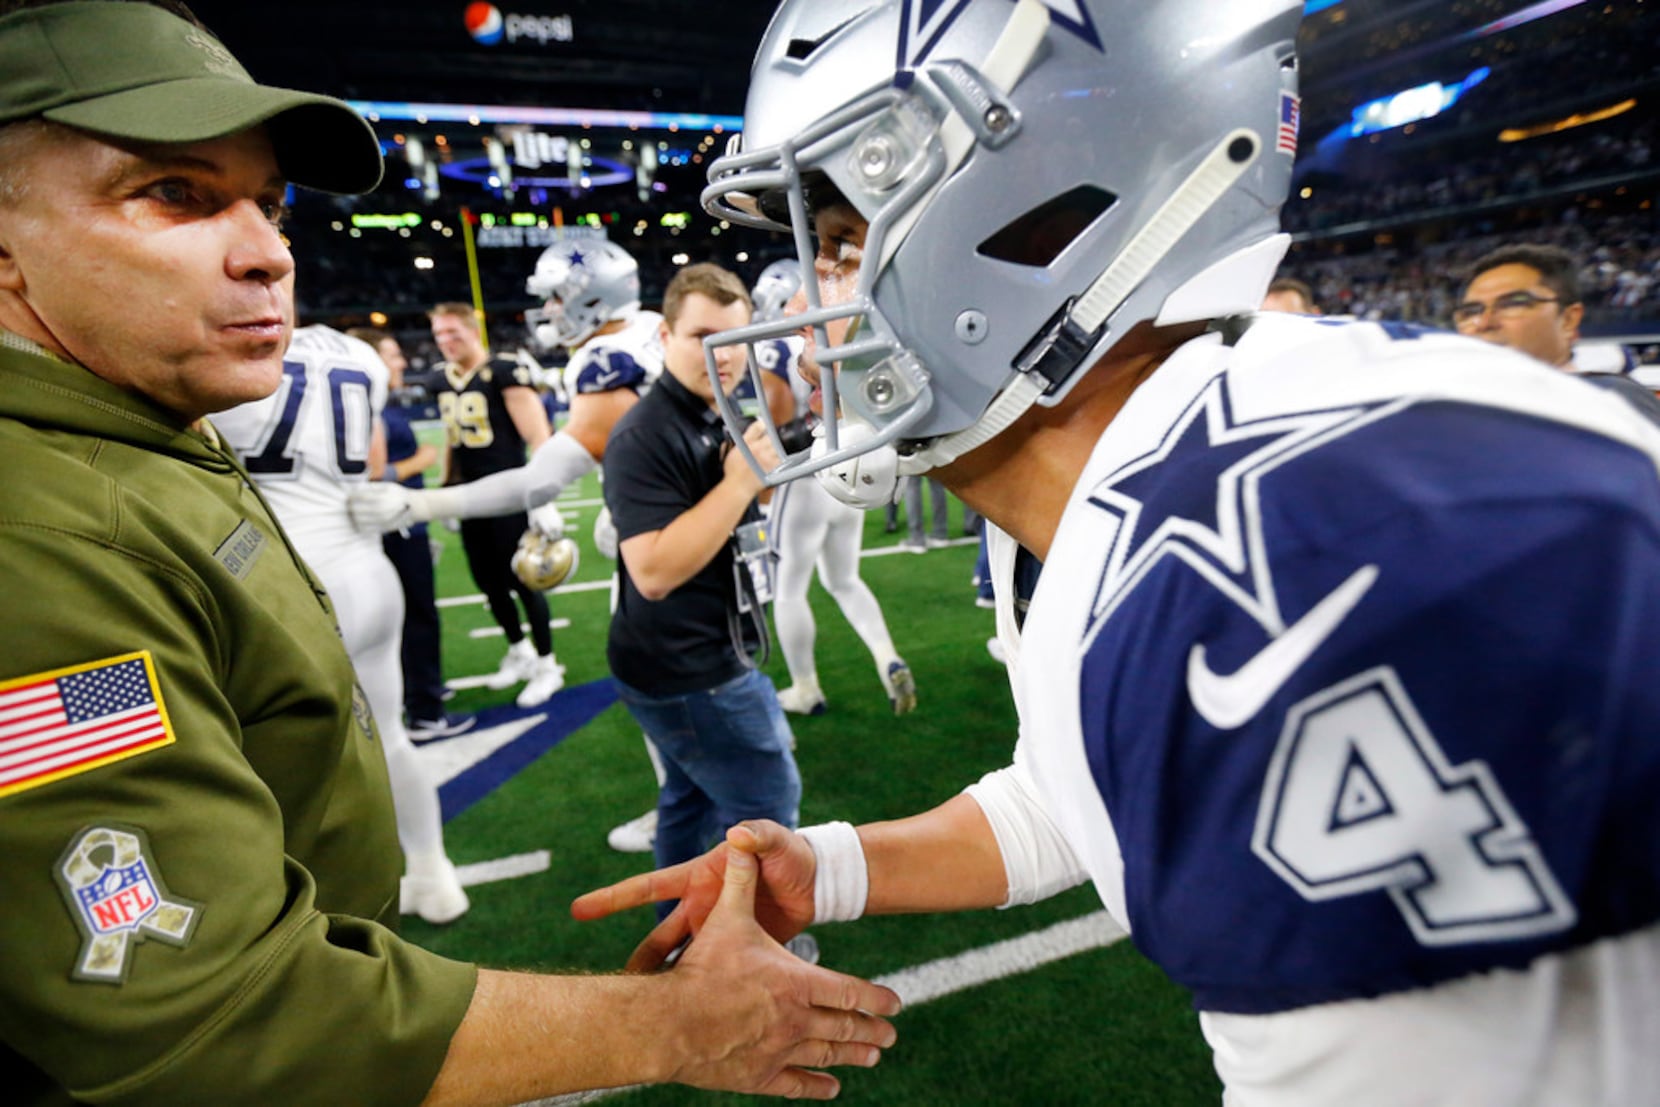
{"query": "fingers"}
(635, 891)
(737, 892)
(826, 1055)
(761, 444)
(839, 992)
(759, 836)
(802, 1084)
(854, 1029)
(663, 940)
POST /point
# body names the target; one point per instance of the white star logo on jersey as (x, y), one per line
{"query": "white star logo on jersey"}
(923, 22)
(1194, 497)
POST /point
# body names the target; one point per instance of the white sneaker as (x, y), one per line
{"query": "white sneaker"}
(547, 676)
(802, 699)
(435, 894)
(636, 835)
(901, 687)
(515, 667)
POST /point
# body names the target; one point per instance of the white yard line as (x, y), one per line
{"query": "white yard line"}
(580, 586)
(948, 975)
(505, 868)
(497, 632)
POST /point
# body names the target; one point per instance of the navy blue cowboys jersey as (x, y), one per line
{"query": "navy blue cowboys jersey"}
(1343, 674)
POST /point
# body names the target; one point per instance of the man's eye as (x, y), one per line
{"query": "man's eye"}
(173, 192)
(275, 211)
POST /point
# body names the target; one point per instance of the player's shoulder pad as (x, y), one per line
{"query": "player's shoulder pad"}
(604, 368)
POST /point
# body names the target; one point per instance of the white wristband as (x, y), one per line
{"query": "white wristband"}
(842, 881)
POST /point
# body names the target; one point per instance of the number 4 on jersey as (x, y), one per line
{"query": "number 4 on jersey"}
(1360, 798)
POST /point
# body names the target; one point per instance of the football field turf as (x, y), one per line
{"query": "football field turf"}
(1006, 1024)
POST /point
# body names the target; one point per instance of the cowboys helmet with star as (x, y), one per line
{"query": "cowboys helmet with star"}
(583, 284)
(1038, 177)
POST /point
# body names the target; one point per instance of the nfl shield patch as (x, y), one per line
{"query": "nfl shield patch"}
(116, 896)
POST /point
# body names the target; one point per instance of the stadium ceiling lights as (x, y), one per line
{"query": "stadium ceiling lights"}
(478, 115)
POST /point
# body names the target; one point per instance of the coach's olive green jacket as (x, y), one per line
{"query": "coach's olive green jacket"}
(200, 861)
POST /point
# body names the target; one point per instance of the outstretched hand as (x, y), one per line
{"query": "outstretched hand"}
(783, 895)
(380, 506)
(766, 1021)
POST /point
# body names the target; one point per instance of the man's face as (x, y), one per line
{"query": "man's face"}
(1287, 300)
(458, 340)
(1520, 311)
(159, 268)
(841, 250)
(392, 354)
(698, 318)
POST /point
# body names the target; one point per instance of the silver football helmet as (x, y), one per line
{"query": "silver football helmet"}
(774, 287)
(584, 284)
(1037, 178)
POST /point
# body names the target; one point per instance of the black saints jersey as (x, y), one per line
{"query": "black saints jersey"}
(481, 430)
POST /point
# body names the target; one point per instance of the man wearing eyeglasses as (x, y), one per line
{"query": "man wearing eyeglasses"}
(1525, 297)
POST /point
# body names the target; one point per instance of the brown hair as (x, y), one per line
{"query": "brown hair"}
(374, 336)
(706, 279)
(457, 309)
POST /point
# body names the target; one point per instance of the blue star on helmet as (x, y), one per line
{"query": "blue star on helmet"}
(1194, 498)
(577, 259)
(923, 22)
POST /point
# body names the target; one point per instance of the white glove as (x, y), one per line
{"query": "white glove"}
(605, 534)
(383, 506)
(547, 521)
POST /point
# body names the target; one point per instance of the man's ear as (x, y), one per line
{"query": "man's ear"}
(11, 275)
(1572, 316)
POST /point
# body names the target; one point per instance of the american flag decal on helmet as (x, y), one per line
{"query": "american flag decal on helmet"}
(1285, 138)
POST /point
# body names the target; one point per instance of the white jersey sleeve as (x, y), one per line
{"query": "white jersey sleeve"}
(307, 444)
(632, 358)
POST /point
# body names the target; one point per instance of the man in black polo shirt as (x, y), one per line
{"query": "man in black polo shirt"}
(680, 646)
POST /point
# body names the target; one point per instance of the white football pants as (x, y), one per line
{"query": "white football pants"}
(368, 601)
(814, 528)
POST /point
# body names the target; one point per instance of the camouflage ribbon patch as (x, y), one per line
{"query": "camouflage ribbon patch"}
(117, 897)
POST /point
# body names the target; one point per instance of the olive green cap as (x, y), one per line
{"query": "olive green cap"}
(132, 71)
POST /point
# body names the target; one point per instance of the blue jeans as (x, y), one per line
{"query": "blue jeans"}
(726, 758)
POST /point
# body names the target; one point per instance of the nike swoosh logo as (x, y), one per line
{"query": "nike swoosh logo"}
(1230, 701)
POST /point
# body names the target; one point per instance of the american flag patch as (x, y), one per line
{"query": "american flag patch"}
(1285, 138)
(57, 724)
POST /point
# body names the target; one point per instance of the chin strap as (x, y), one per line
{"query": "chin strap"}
(1083, 327)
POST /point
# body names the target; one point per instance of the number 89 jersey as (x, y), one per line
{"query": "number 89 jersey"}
(482, 436)
(308, 442)
(1342, 678)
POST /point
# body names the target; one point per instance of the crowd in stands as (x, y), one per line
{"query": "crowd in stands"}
(1620, 257)
(1422, 186)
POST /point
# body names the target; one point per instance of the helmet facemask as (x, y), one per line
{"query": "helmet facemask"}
(1032, 191)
